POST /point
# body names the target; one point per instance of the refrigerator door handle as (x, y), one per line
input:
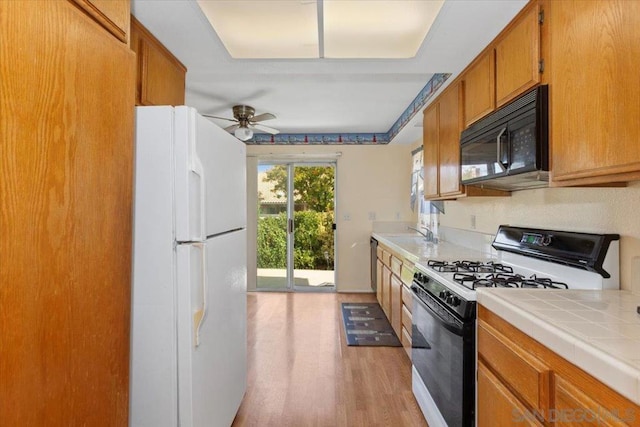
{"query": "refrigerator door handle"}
(200, 314)
(196, 167)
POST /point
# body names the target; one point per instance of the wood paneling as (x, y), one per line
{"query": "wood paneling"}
(594, 98)
(302, 373)
(66, 157)
(111, 14)
(479, 88)
(517, 55)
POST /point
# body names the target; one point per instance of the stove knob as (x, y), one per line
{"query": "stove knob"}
(455, 301)
(442, 294)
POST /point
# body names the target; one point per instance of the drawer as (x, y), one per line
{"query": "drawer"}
(386, 258)
(406, 274)
(406, 319)
(508, 361)
(407, 298)
(379, 252)
(396, 265)
(405, 339)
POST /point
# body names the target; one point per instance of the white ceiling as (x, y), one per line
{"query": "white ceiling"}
(322, 95)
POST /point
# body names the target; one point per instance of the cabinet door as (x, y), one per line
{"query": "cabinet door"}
(497, 407)
(594, 98)
(576, 409)
(449, 138)
(111, 14)
(430, 152)
(386, 291)
(161, 77)
(517, 56)
(65, 217)
(479, 88)
(379, 281)
(396, 304)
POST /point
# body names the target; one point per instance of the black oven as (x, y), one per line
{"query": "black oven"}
(509, 149)
(443, 349)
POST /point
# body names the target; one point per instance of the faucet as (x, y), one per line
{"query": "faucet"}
(428, 236)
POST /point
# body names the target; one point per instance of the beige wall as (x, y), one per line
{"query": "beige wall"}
(598, 210)
(370, 178)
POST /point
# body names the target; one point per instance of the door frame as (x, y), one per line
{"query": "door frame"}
(291, 163)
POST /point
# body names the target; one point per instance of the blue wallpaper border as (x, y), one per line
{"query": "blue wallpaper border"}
(357, 138)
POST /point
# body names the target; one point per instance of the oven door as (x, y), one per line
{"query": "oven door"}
(443, 354)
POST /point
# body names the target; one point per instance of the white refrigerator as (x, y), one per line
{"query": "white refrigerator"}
(188, 338)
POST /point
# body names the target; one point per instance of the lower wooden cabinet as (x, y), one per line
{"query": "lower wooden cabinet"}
(396, 304)
(386, 291)
(522, 382)
(379, 281)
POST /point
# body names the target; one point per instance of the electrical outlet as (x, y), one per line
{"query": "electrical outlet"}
(346, 217)
(473, 222)
(372, 216)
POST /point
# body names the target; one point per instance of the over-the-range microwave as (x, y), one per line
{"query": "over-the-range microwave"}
(509, 149)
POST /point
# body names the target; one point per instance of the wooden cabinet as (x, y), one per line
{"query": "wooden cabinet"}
(395, 274)
(66, 126)
(506, 69)
(386, 291)
(594, 98)
(160, 76)
(396, 304)
(112, 15)
(479, 88)
(517, 57)
(522, 381)
(379, 281)
(442, 125)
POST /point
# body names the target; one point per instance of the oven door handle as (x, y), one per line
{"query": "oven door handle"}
(453, 327)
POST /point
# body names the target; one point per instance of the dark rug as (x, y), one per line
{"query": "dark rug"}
(366, 325)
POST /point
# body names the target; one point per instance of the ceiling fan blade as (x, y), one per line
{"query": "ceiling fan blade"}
(216, 117)
(262, 117)
(231, 128)
(264, 128)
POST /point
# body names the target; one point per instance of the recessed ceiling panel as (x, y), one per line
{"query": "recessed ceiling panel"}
(265, 29)
(377, 29)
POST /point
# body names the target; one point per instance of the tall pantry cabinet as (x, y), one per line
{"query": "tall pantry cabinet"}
(67, 87)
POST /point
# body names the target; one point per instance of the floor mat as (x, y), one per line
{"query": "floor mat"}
(366, 325)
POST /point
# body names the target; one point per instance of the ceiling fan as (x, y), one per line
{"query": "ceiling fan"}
(246, 122)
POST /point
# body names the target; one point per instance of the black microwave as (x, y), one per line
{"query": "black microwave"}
(509, 149)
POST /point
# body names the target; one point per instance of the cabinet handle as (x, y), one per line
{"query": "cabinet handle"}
(498, 151)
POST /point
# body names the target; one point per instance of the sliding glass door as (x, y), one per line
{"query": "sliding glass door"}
(296, 233)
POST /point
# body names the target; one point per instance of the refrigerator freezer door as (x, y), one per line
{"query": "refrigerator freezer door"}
(210, 187)
(212, 374)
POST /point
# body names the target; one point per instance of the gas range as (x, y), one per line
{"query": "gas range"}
(528, 258)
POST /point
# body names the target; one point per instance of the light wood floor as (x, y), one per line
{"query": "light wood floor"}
(302, 373)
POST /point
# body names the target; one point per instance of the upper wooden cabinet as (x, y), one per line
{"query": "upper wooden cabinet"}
(507, 68)
(160, 76)
(518, 57)
(113, 15)
(594, 92)
(479, 86)
(441, 139)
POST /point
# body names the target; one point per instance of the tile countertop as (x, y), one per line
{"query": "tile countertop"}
(415, 248)
(598, 331)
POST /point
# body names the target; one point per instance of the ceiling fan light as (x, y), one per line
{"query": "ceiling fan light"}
(243, 134)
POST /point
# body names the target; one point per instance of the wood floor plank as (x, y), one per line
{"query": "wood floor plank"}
(302, 373)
